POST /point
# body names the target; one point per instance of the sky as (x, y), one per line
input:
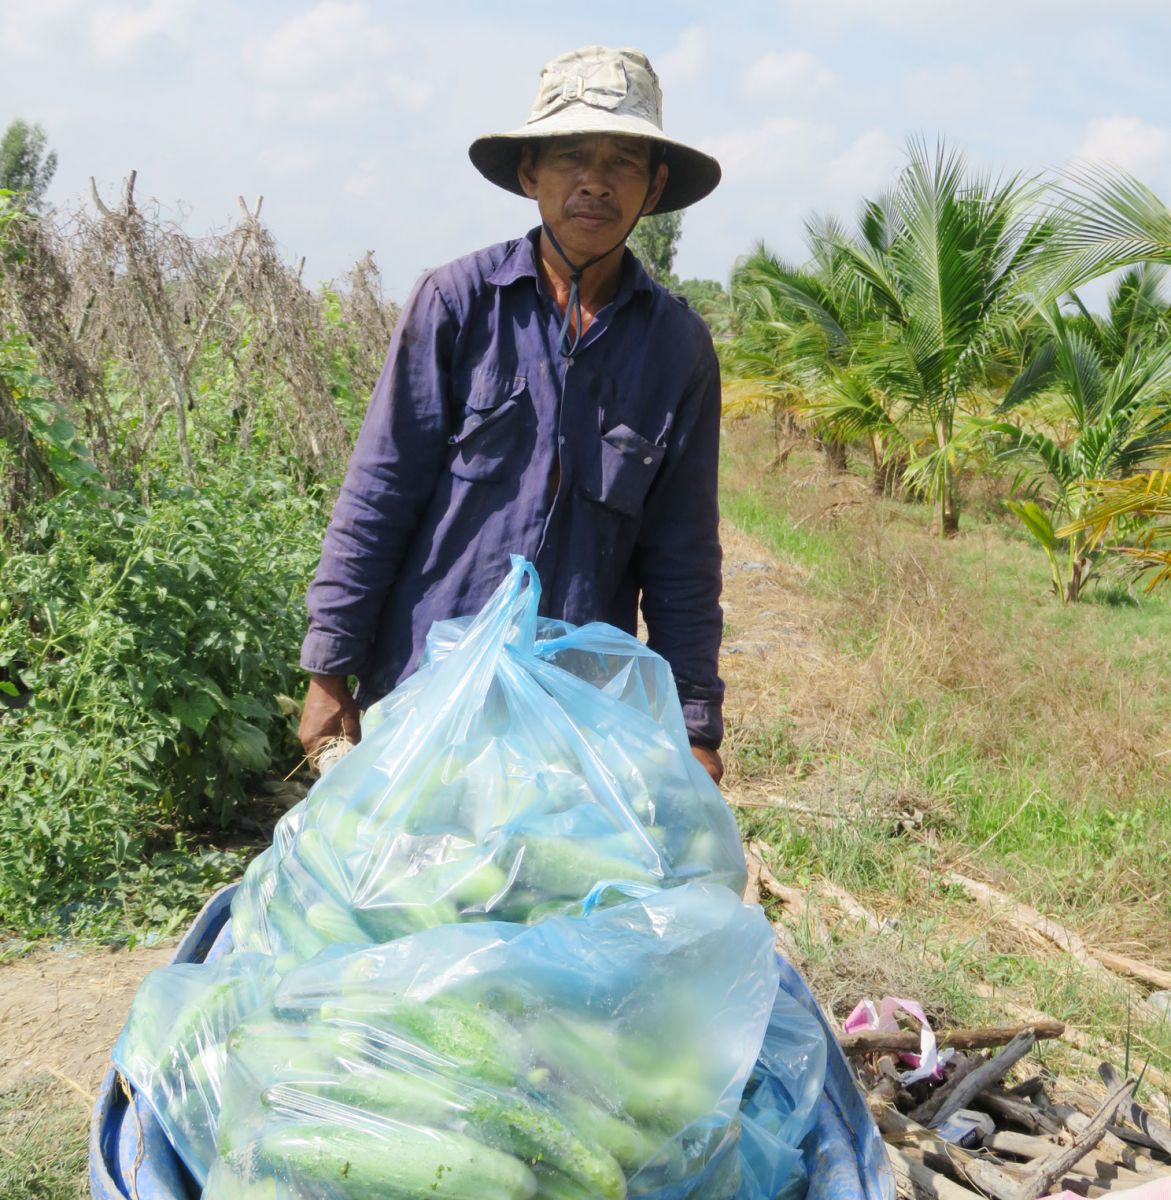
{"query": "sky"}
(352, 117)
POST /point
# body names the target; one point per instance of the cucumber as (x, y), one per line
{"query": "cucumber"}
(630, 1146)
(399, 1162)
(536, 1133)
(479, 885)
(385, 922)
(474, 1039)
(591, 1064)
(315, 854)
(334, 923)
(570, 867)
(403, 1095)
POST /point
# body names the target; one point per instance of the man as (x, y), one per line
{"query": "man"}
(541, 397)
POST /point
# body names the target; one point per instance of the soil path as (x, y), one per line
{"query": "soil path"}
(60, 1011)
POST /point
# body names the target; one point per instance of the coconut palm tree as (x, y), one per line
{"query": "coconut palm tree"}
(1107, 219)
(950, 280)
(1093, 404)
(1139, 498)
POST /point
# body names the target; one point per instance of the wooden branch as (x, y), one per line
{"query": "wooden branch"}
(156, 323)
(794, 898)
(1142, 1120)
(1013, 1108)
(1000, 1182)
(1026, 918)
(979, 1038)
(1023, 1145)
(851, 907)
(1155, 976)
(225, 283)
(947, 1100)
(751, 894)
(1040, 1180)
(923, 1181)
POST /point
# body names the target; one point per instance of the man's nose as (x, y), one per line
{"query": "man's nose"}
(594, 180)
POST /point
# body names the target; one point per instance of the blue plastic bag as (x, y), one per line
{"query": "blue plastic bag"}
(522, 763)
(173, 1048)
(598, 1056)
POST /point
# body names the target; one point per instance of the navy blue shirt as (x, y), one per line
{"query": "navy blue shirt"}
(482, 441)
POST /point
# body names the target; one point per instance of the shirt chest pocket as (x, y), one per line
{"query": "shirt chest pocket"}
(623, 470)
(486, 446)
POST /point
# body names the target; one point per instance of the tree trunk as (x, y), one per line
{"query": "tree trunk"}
(947, 514)
(835, 455)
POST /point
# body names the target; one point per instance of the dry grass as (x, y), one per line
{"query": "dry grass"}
(882, 681)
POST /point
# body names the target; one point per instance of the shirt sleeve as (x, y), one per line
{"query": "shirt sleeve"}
(678, 558)
(391, 475)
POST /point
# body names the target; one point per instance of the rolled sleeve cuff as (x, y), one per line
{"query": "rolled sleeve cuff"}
(705, 723)
(331, 654)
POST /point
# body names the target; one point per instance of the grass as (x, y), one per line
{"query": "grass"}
(1031, 742)
(43, 1142)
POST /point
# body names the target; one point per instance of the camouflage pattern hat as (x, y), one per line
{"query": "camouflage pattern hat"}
(599, 90)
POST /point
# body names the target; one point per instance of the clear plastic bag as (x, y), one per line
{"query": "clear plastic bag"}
(524, 762)
(600, 1056)
(173, 1048)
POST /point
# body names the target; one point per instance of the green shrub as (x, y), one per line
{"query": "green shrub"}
(156, 645)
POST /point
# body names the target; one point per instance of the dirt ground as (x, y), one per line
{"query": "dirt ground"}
(60, 1011)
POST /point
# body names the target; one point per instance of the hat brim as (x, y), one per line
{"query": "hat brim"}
(691, 174)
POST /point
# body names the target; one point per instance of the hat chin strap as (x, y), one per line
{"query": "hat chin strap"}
(573, 304)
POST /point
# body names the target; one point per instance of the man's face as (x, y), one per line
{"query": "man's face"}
(591, 188)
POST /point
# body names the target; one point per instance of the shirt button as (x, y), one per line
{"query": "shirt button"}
(561, 440)
(647, 461)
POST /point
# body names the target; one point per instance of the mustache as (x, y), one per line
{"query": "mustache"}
(592, 210)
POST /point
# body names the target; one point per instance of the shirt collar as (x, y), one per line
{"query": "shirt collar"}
(521, 263)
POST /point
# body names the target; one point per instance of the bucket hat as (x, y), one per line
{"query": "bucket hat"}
(599, 90)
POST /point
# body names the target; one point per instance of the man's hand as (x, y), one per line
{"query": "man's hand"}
(710, 761)
(329, 712)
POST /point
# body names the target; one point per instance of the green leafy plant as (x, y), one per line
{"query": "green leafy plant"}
(154, 645)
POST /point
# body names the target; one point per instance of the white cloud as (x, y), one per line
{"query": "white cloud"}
(958, 90)
(289, 158)
(330, 36)
(868, 165)
(37, 31)
(912, 17)
(366, 179)
(790, 75)
(329, 64)
(779, 147)
(685, 61)
(120, 29)
(1127, 142)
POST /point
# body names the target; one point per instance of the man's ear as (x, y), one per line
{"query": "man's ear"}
(526, 172)
(656, 192)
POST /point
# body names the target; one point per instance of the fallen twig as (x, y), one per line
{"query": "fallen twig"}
(1026, 918)
(979, 1038)
(1040, 1179)
(948, 1099)
(1003, 1104)
(1156, 977)
(923, 1181)
(1154, 1129)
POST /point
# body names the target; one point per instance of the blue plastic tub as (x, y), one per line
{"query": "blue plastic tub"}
(131, 1159)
